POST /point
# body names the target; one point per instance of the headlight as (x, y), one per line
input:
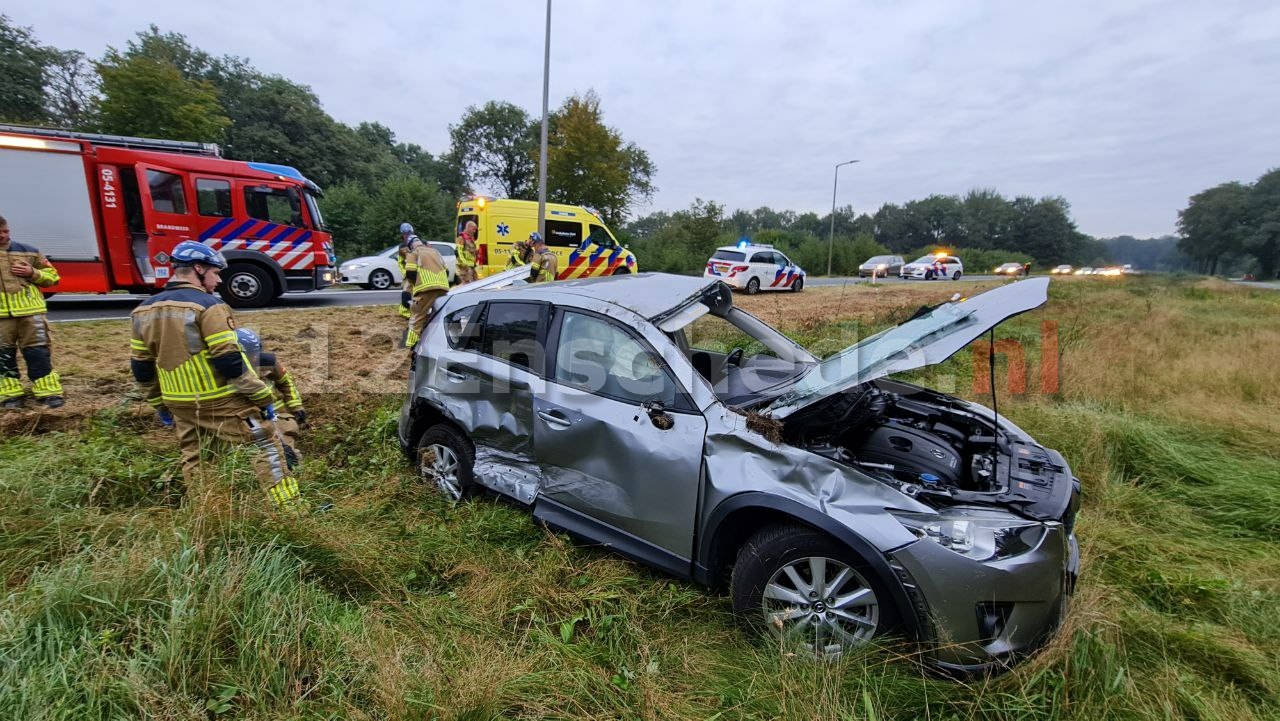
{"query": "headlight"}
(976, 533)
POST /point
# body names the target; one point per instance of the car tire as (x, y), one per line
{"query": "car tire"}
(956, 275)
(815, 619)
(446, 458)
(753, 286)
(245, 285)
(928, 275)
(797, 286)
(381, 279)
(622, 271)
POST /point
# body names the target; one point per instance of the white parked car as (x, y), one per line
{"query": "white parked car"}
(381, 271)
(754, 268)
(934, 267)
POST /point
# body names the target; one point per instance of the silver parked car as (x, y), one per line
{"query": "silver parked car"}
(650, 415)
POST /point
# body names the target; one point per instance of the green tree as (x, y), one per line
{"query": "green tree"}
(1043, 229)
(590, 164)
(1262, 239)
(1214, 224)
(343, 207)
(496, 147)
(150, 97)
(406, 198)
(987, 219)
(71, 90)
(22, 74)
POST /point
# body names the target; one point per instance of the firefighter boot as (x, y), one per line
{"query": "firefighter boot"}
(11, 392)
(45, 384)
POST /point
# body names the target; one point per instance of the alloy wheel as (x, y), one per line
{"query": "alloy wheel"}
(440, 464)
(821, 605)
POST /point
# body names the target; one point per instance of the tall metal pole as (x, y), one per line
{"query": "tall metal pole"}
(831, 239)
(542, 150)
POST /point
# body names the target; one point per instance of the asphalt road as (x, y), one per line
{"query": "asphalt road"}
(66, 307)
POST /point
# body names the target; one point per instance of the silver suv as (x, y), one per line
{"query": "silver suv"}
(649, 415)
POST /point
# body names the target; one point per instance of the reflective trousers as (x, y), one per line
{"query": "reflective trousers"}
(30, 335)
(420, 310)
(210, 428)
(466, 274)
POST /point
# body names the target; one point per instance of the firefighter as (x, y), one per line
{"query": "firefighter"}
(425, 268)
(521, 253)
(544, 260)
(188, 363)
(402, 255)
(466, 244)
(23, 326)
(290, 415)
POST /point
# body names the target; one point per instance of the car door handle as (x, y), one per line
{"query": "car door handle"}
(555, 418)
(455, 376)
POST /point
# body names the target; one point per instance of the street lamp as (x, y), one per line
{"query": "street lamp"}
(542, 147)
(831, 239)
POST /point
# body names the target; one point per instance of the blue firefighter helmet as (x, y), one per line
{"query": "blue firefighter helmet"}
(406, 227)
(189, 252)
(535, 237)
(251, 344)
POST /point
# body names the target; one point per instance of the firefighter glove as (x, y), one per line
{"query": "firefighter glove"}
(301, 416)
(166, 418)
(269, 411)
(411, 340)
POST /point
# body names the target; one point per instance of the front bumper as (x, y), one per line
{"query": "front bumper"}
(357, 276)
(979, 616)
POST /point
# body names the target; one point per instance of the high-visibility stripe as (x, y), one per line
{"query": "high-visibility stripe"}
(428, 280)
(46, 386)
(226, 336)
(193, 380)
(10, 388)
(137, 344)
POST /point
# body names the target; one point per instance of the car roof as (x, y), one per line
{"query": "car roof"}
(645, 294)
(746, 248)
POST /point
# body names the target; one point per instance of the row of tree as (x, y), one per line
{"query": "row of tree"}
(983, 226)
(1234, 225)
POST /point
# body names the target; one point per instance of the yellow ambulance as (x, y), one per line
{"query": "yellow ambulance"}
(585, 245)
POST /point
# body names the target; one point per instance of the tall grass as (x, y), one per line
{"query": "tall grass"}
(122, 603)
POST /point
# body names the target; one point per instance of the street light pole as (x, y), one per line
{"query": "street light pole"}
(542, 149)
(831, 239)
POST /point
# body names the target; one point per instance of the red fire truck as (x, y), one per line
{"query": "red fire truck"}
(107, 210)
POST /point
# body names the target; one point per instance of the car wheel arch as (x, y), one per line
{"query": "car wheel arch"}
(424, 416)
(739, 517)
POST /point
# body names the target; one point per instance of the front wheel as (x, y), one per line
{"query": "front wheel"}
(247, 286)
(808, 591)
(797, 286)
(446, 458)
(381, 279)
(955, 275)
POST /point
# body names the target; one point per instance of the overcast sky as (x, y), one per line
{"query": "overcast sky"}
(1124, 108)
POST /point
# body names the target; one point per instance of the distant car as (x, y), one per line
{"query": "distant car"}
(754, 268)
(933, 267)
(1085, 271)
(1063, 269)
(881, 265)
(1011, 269)
(381, 271)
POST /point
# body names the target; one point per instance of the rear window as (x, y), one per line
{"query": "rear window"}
(729, 255)
(881, 259)
(443, 249)
(511, 334)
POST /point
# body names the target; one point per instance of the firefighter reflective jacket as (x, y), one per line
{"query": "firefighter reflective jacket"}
(466, 246)
(184, 349)
(425, 269)
(277, 377)
(21, 296)
(544, 270)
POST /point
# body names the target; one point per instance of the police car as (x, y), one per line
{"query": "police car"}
(938, 266)
(754, 268)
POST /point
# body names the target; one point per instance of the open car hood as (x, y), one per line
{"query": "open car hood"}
(925, 340)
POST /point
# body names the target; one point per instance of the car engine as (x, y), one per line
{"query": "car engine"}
(936, 448)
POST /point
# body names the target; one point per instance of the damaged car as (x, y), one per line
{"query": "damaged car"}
(650, 415)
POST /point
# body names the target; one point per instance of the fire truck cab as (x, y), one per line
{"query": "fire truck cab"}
(107, 210)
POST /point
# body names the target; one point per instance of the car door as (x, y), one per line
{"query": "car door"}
(166, 212)
(616, 468)
(486, 380)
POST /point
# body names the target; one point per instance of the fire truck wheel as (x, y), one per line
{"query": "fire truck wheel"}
(247, 286)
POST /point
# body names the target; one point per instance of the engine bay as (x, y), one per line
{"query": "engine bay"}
(936, 448)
